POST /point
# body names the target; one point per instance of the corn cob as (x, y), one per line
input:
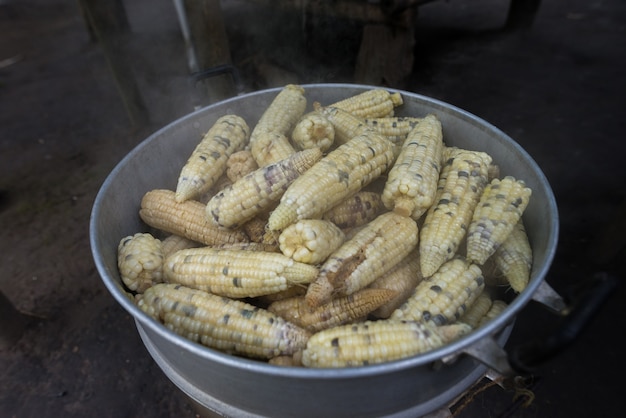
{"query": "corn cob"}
(140, 261)
(402, 279)
(499, 209)
(395, 129)
(373, 342)
(256, 229)
(443, 297)
(345, 124)
(313, 130)
(376, 103)
(208, 160)
(477, 310)
(356, 210)
(173, 243)
(258, 191)
(461, 182)
(514, 258)
(371, 253)
(412, 181)
(232, 326)
(268, 141)
(160, 210)
(497, 307)
(337, 176)
(236, 273)
(290, 292)
(239, 164)
(339, 311)
(310, 241)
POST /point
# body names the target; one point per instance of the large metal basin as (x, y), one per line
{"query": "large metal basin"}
(233, 386)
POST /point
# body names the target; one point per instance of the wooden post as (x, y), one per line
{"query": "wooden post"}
(107, 19)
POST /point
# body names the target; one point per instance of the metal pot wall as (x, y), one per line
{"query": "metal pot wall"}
(232, 386)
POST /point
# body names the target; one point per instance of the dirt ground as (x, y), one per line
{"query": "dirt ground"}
(557, 88)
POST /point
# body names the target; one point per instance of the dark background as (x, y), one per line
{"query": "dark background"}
(558, 88)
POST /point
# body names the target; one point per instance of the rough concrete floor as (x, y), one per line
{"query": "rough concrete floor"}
(558, 89)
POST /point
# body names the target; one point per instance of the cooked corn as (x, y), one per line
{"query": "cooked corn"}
(395, 128)
(514, 258)
(443, 297)
(208, 160)
(258, 191)
(461, 182)
(173, 243)
(160, 210)
(375, 103)
(356, 210)
(499, 209)
(412, 181)
(313, 130)
(256, 228)
(373, 342)
(345, 124)
(232, 326)
(337, 176)
(477, 310)
(236, 273)
(310, 241)
(140, 261)
(372, 252)
(239, 164)
(497, 307)
(271, 147)
(339, 311)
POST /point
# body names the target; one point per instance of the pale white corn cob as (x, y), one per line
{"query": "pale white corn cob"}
(477, 310)
(310, 241)
(313, 130)
(514, 258)
(173, 243)
(140, 261)
(375, 103)
(356, 210)
(239, 164)
(497, 307)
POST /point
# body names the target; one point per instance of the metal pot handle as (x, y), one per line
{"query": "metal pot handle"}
(523, 358)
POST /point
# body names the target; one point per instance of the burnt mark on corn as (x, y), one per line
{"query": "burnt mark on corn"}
(435, 288)
(334, 342)
(237, 282)
(247, 313)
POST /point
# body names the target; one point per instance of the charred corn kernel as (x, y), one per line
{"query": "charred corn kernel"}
(208, 160)
(356, 210)
(173, 243)
(443, 297)
(461, 182)
(375, 103)
(477, 310)
(337, 176)
(232, 326)
(402, 279)
(236, 273)
(373, 342)
(372, 252)
(160, 210)
(499, 209)
(497, 307)
(412, 181)
(258, 191)
(140, 261)
(514, 258)
(395, 128)
(339, 311)
(268, 140)
(313, 130)
(310, 241)
(345, 124)
(239, 164)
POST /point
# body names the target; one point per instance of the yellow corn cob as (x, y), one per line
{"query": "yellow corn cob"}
(402, 279)
(497, 307)
(140, 261)
(160, 210)
(239, 164)
(514, 258)
(412, 181)
(173, 243)
(310, 241)
(376, 103)
(461, 182)
(236, 273)
(500, 207)
(345, 124)
(268, 140)
(373, 342)
(337, 176)
(208, 160)
(258, 191)
(313, 130)
(477, 310)
(372, 252)
(337, 312)
(356, 210)
(395, 128)
(232, 326)
(443, 297)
